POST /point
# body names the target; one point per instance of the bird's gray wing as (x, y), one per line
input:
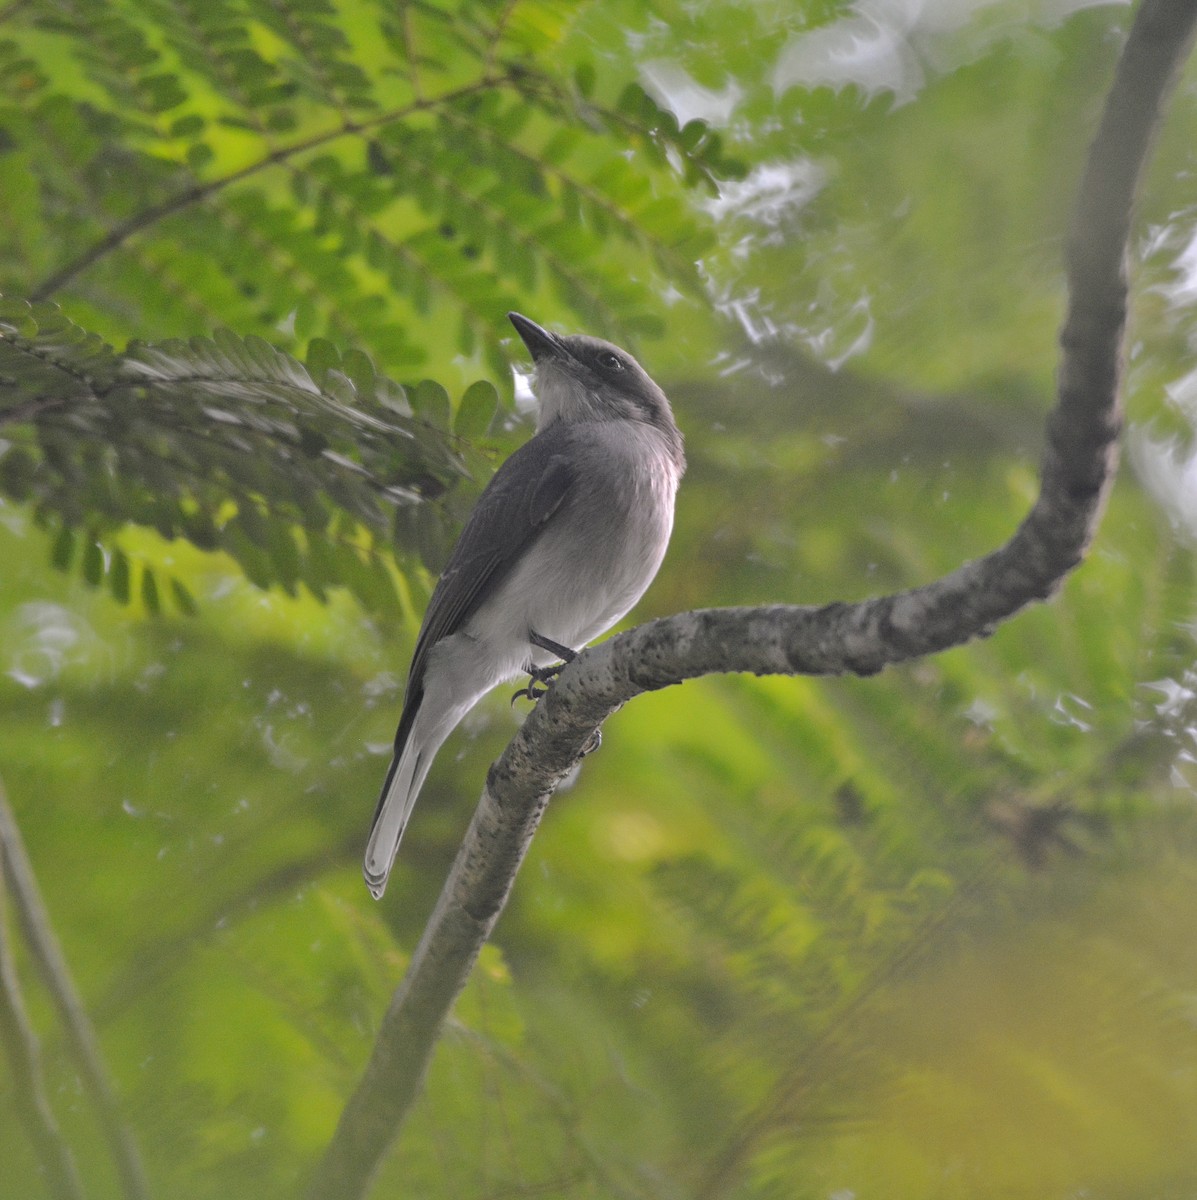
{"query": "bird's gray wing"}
(510, 514)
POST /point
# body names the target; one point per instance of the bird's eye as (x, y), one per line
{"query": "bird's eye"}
(611, 361)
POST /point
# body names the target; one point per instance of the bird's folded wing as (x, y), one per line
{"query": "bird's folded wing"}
(511, 513)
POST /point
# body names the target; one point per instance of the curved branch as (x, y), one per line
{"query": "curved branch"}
(1078, 468)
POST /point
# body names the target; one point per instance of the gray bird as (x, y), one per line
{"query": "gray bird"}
(564, 540)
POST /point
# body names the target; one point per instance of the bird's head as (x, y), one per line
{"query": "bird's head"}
(581, 378)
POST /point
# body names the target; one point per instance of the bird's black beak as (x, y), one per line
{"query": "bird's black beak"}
(540, 342)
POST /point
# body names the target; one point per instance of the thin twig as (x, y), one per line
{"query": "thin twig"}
(29, 1093)
(1077, 472)
(47, 954)
(495, 40)
(120, 234)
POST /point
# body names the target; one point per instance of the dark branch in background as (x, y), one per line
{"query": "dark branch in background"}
(29, 1090)
(19, 414)
(11, 10)
(18, 875)
(1078, 468)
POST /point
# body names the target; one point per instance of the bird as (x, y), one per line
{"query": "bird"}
(564, 540)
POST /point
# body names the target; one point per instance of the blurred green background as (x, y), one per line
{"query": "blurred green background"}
(926, 935)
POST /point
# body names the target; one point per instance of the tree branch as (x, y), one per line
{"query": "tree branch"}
(10, 10)
(1077, 471)
(47, 954)
(29, 1090)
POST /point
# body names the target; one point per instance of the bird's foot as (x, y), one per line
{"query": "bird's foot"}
(540, 677)
(538, 680)
(531, 692)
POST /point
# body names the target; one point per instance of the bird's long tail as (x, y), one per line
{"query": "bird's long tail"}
(416, 742)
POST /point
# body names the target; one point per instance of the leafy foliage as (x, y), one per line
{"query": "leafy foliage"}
(406, 173)
(297, 472)
(387, 182)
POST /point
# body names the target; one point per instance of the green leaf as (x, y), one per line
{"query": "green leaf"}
(430, 401)
(118, 576)
(360, 369)
(199, 155)
(692, 134)
(187, 126)
(476, 410)
(63, 550)
(149, 591)
(93, 562)
(584, 79)
(17, 473)
(322, 356)
(184, 600)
